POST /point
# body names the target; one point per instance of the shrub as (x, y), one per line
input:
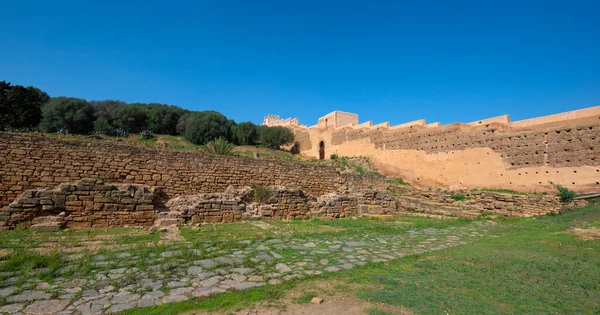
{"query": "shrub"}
(275, 137)
(116, 132)
(360, 170)
(73, 114)
(334, 157)
(564, 193)
(397, 181)
(219, 146)
(459, 197)
(147, 135)
(202, 127)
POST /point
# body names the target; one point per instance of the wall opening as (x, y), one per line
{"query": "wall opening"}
(321, 150)
(296, 148)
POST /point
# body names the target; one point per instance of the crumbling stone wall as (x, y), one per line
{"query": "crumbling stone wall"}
(477, 202)
(35, 161)
(281, 203)
(87, 203)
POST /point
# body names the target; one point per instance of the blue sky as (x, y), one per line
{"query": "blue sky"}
(394, 61)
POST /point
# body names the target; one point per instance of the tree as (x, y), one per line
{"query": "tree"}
(163, 119)
(20, 107)
(73, 114)
(245, 133)
(202, 127)
(132, 118)
(275, 137)
(105, 113)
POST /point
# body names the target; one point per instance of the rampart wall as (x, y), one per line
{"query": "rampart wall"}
(490, 153)
(35, 161)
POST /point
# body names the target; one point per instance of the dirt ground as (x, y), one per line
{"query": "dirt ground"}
(339, 298)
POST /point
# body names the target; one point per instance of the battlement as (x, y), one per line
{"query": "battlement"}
(274, 120)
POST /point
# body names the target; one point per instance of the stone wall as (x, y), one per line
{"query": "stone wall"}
(277, 203)
(87, 203)
(36, 161)
(476, 202)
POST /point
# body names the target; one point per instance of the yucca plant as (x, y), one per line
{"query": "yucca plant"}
(219, 146)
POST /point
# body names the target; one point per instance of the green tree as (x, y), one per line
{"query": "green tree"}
(105, 113)
(275, 137)
(133, 118)
(163, 119)
(73, 114)
(20, 107)
(245, 133)
(202, 127)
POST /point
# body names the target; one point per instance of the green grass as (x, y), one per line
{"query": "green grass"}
(397, 181)
(533, 267)
(376, 311)
(220, 302)
(529, 266)
(305, 297)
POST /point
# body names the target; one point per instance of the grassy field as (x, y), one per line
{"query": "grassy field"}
(537, 265)
(528, 266)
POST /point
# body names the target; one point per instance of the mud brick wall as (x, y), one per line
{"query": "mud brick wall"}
(35, 161)
(87, 203)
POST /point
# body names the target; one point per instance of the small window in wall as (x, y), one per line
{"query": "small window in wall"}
(321, 150)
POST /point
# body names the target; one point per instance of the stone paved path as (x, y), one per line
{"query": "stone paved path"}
(175, 275)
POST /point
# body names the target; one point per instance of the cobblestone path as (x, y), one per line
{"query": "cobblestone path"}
(116, 282)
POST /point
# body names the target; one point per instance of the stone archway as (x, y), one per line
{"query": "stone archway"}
(321, 150)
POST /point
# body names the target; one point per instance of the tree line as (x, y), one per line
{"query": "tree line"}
(29, 108)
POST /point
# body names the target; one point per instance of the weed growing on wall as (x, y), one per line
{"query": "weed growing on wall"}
(459, 197)
(564, 193)
(397, 181)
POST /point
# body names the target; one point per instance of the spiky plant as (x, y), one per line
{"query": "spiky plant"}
(219, 146)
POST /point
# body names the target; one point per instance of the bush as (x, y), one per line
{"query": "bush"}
(564, 193)
(397, 181)
(147, 135)
(202, 127)
(334, 157)
(73, 114)
(275, 137)
(459, 197)
(116, 132)
(219, 146)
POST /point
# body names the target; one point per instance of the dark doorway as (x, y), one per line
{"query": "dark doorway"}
(296, 148)
(321, 150)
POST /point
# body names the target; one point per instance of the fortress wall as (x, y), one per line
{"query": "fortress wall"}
(493, 155)
(34, 161)
(561, 117)
(505, 119)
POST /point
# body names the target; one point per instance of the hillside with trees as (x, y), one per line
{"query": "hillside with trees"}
(30, 109)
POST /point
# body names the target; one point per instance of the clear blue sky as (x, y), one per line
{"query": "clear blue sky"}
(391, 61)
